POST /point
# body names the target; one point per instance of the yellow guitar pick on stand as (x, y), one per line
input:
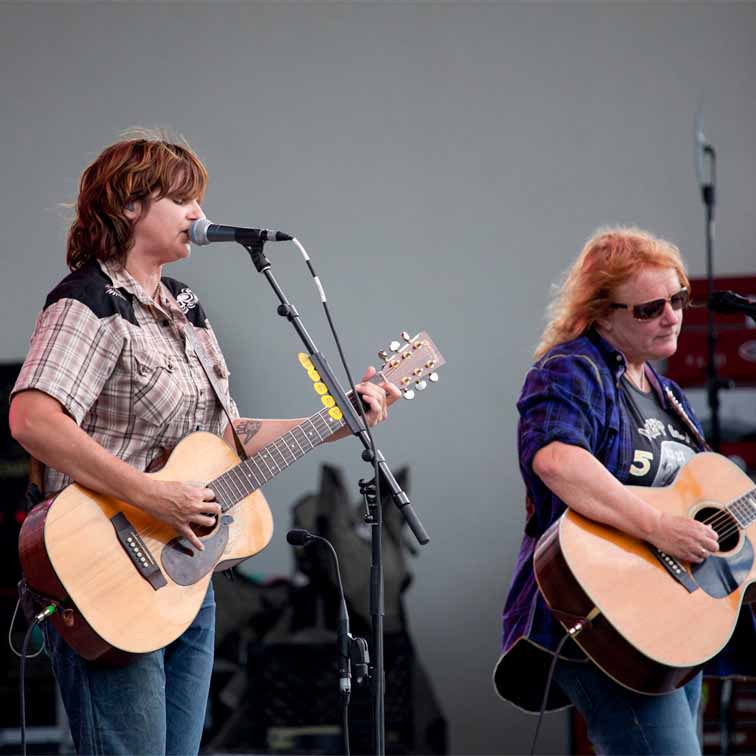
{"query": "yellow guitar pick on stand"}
(320, 388)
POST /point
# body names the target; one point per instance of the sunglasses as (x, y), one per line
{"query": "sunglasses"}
(653, 309)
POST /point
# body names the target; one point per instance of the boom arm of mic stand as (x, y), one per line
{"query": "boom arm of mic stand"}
(352, 418)
(401, 500)
(354, 422)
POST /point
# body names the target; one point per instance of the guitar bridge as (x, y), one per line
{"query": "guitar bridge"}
(136, 550)
(675, 569)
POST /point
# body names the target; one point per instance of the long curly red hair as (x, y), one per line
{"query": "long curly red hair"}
(608, 259)
(140, 169)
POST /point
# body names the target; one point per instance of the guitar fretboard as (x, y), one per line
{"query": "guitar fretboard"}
(246, 477)
(743, 509)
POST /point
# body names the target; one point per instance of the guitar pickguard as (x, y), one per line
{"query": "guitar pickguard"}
(720, 576)
(185, 565)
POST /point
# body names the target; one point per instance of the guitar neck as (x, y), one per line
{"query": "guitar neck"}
(407, 368)
(743, 509)
(253, 473)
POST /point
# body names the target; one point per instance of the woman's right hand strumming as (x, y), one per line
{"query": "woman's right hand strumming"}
(182, 505)
(684, 538)
(586, 486)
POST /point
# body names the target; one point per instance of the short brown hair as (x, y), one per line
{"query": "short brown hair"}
(608, 259)
(148, 165)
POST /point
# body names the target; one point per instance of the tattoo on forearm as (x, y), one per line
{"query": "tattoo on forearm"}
(247, 429)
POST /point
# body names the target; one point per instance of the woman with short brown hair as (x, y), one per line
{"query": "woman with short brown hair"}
(111, 383)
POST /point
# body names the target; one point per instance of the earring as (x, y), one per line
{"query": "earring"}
(129, 206)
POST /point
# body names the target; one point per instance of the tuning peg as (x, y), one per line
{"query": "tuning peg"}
(433, 377)
(421, 385)
(383, 355)
(394, 346)
(409, 394)
(405, 336)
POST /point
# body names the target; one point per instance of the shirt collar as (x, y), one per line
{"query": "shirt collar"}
(615, 359)
(617, 363)
(122, 279)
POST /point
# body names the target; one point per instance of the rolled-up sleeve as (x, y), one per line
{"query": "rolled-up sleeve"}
(562, 400)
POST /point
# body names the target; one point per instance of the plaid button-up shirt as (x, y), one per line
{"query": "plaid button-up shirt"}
(121, 366)
(572, 395)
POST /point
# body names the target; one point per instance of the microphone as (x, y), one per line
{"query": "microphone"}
(730, 302)
(701, 145)
(203, 232)
(301, 537)
(705, 164)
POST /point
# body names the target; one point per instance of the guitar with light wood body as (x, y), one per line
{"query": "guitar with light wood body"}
(647, 619)
(125, 581)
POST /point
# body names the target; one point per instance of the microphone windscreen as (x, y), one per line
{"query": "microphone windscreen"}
(298, 537)
(198, 231)
(726, 301)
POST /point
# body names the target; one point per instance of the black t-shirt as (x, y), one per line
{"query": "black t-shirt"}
(662, 443)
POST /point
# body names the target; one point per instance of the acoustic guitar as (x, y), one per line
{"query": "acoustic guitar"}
(126, 581)
(647, 619)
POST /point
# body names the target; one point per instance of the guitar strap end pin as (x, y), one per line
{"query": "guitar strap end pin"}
(581, 623)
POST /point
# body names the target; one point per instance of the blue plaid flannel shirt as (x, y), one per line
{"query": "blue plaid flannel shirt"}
(572, 395)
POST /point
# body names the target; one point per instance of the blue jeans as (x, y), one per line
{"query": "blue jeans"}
(623, 722)
(155, 705)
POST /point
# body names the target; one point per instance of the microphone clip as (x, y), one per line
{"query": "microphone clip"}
(255, 249)
(360, 658)
(354, 662)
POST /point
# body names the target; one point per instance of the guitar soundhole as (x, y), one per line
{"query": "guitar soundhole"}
(204, 530)
(725, 525)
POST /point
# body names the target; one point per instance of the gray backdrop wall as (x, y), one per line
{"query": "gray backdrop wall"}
(442, 163)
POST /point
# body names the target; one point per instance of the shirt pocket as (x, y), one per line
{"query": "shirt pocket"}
(157, 394)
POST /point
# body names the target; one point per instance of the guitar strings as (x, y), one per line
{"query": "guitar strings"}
(726, 519)
(229, 498)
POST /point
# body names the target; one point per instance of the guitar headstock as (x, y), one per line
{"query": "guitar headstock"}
(411, 363)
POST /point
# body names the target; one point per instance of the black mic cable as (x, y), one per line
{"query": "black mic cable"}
(302, 537)
(373, 457)
(38, 619)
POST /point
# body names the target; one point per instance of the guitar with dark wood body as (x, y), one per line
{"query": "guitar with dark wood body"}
(647, 619)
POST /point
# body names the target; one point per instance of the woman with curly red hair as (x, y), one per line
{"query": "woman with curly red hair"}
(594, 415)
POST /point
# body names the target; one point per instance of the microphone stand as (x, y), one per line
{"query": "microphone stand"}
(713, 383)
(370, 455)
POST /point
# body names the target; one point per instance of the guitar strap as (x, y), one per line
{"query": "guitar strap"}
(35, 489)
(683, 415)
(210, 372)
